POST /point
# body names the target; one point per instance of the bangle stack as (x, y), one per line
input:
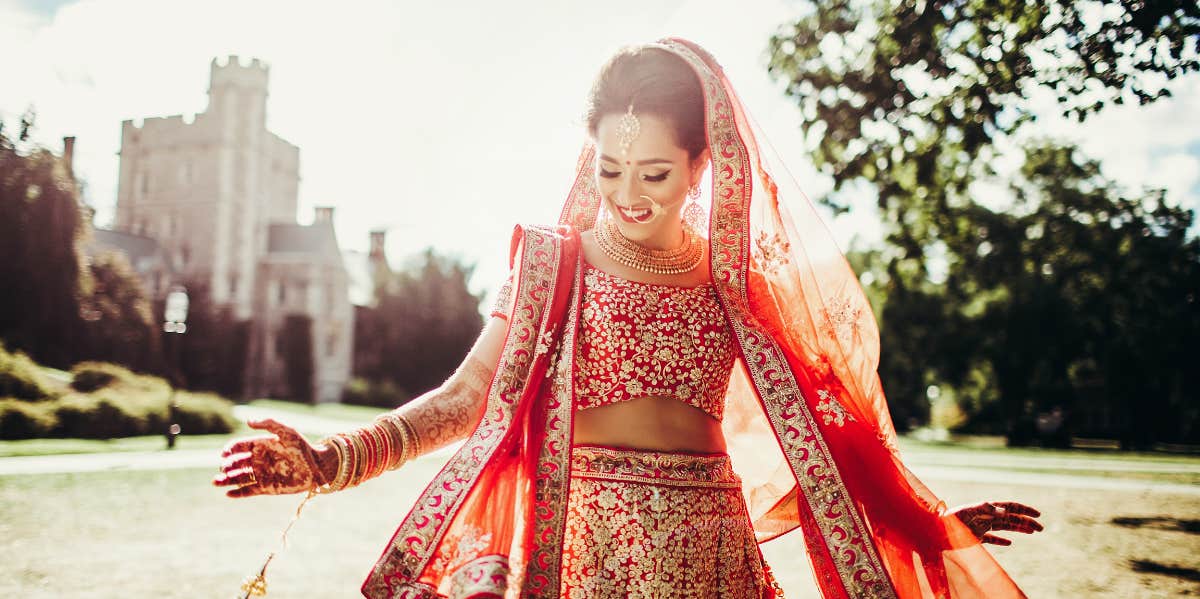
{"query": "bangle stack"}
(368, 452)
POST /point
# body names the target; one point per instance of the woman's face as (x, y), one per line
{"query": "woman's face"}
(653, 171)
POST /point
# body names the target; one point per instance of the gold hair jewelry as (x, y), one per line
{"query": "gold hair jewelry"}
(628, 129)
(616, 246)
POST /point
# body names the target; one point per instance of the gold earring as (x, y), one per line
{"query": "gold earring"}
(694, 191)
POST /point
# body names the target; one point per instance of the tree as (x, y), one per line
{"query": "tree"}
(1044, 308)
(118, 317)
(298, 357)
(423, 324)
(911, 94)
(42, 268)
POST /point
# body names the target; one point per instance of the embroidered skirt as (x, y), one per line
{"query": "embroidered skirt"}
(658, 524)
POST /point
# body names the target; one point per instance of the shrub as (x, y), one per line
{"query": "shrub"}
(90, 376)
(22, 378)
(21, 419)
(108, 414)
(204, 414)
(385, 394)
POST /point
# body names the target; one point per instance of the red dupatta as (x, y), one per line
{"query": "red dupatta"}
(806, 419)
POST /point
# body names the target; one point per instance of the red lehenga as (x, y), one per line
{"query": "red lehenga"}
(808, 427)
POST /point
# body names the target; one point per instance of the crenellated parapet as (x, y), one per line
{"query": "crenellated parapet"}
(232, 72)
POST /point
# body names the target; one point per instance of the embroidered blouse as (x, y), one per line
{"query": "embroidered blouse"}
(645, 340)
(638, 340)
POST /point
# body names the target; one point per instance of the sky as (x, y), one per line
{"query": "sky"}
(449, 122)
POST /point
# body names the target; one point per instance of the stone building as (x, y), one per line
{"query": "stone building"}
(219, 195)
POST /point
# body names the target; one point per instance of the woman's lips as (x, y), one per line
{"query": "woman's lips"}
(636, 216)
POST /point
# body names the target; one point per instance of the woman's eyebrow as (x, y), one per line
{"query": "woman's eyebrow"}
(608, 158)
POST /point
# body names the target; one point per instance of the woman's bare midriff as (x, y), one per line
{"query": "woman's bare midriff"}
(656, 423)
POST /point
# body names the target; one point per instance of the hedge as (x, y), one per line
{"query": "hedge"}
(110, 401)
(22, 378)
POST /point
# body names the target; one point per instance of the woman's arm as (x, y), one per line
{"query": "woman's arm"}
(449, 412)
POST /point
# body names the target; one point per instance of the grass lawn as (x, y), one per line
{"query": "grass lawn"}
(170, 534)
(353, 415)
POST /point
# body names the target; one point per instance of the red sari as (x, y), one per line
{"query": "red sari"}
(806, 419)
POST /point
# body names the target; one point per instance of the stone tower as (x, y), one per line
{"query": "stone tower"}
(208, 189)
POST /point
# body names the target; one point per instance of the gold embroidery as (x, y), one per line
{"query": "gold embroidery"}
(483, 577)
(842, 530)
(419, 536)
(772, 251)
(640, 340)
(841, 319)
(541, 574)
(628, 535)
(832, 409)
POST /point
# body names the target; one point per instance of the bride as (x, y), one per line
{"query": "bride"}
(660, 388)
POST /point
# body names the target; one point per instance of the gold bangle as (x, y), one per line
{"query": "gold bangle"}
(381, 451)
(397, 437)
(360, 449)
(343, 473)
(328, 487)
(412, 435)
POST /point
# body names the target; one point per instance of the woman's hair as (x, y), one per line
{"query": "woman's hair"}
(654, 81)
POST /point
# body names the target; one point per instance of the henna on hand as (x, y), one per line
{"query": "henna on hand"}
(275, 465)
(983, 518)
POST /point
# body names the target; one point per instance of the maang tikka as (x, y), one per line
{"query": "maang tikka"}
(628, 129)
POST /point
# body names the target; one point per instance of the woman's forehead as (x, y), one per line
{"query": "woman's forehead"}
(655, 142)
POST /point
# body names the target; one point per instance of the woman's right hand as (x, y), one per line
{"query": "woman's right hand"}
(279, 464)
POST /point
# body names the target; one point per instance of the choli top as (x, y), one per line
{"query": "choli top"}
(641, 340)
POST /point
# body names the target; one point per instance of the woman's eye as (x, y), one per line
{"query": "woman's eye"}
(656, 178)
(607, 174)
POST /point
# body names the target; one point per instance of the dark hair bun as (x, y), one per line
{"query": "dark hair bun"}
(656, 82)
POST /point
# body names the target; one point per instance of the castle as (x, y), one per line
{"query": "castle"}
(219, 196)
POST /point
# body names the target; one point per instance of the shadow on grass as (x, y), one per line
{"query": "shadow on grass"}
(1153, 567)
(1159, 523)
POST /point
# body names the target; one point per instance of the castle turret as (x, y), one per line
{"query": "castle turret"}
(236, 89)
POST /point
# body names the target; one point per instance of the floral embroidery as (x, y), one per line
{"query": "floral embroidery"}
(640, 340)
(832, 409)
(630, 535)
(772, 251)
(486, 576)
(841, 319)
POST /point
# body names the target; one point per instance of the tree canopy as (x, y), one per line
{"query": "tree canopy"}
(1071, 309)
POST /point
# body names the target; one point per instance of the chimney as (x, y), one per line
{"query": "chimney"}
(378, 236)
(68, 155)
(324, 215)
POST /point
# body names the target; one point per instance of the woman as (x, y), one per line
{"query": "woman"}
(635, 357)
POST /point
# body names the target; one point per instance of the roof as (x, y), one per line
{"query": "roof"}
(144, 253)
(316, 240)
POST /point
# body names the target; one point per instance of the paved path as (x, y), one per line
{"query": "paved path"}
(948, 466)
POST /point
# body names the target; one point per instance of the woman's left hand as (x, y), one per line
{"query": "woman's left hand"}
(983, 518)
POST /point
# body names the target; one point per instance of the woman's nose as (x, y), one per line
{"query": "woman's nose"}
(627, 191)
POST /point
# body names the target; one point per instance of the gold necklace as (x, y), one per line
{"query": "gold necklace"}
(620, 249)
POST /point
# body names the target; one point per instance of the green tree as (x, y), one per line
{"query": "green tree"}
(914, 97)
(118, 316)
(298, 357)
(42, 268)
(910, 95)
(424, 321)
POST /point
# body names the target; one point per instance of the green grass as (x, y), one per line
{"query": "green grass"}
(354, 416)
(170, 534)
